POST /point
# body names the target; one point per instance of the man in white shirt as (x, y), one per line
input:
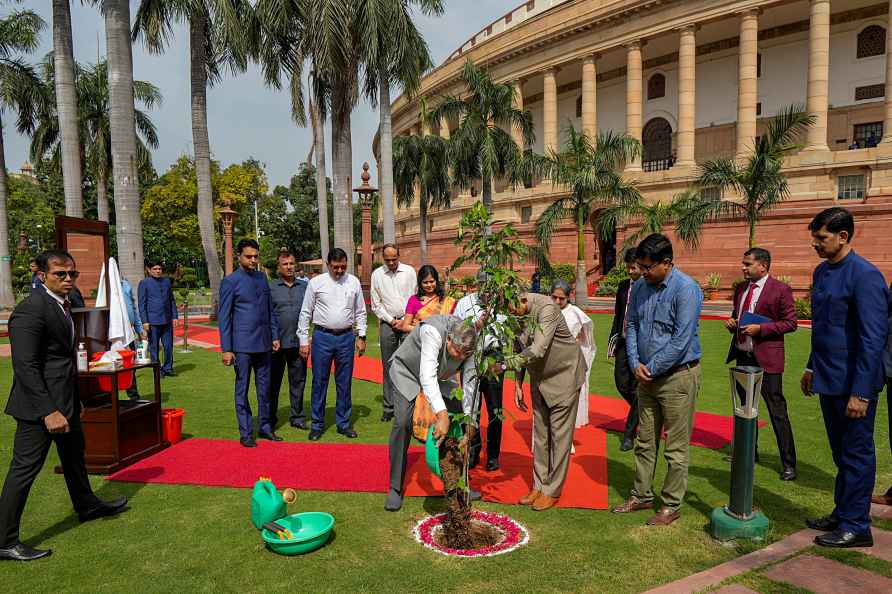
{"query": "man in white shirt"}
(427, 361)
(392, 285)
(334, 304)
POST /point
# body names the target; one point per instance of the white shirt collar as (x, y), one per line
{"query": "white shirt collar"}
(761, 282)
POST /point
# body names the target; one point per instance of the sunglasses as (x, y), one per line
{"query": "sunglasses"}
(61, 274)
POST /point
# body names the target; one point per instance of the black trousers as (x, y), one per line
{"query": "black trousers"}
(491, 390)
(297, 381)
(773, 396)
(29, 451)
(625, 381)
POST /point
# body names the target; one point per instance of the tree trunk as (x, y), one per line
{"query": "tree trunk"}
(752, 223)
(202, 146)
(487, 193)
(66, 107)
(7, 297)
(341, 167)
(581, 289)
(385, 181)
(128, 225)
(422, 231)
(102, 194)
(321, 181)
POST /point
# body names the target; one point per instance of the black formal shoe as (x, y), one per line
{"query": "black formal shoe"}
(824, 524)
(788, 474)
(843, 539)
(386, 417)
(348, 432)
(104, 509)
(300, 425)
(473, 462)
(168, 374)
(22, 552)
(315, 434)
(270, 436)
(248, 442)
(628, 444)
(492, 464)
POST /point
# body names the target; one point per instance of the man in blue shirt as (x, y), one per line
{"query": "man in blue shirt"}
(158, 310)
(249, 331)
(288, 296)
(663, 345)
(849, 327)
(35, 277)
(136, 322)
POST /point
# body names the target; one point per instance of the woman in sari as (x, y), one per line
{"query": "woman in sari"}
(430, 300)
(583, 329)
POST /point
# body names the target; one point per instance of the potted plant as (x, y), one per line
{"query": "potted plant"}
(713, 282)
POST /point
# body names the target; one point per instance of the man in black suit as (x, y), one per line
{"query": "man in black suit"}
(623, 376)
(45, 404)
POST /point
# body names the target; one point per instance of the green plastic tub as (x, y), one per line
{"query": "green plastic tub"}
(311, 531)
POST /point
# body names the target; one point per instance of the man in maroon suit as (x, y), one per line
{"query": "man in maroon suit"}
(762, 344)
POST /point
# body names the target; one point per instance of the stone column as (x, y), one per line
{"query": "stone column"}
(444, 128)
(590, 96)
(747, 82)
(687, 87)
(550, 115)
(516, 132)
(633, 98)
(818, 74)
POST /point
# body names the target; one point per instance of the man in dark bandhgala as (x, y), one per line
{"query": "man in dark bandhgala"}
(158, 310)
(623, 375)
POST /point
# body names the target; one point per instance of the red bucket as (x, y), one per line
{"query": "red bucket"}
(125, 380)
(172, 424)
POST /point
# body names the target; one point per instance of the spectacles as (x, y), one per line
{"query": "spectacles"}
(61, 274)
(646, 268)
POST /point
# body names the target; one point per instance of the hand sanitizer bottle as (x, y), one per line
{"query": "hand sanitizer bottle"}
(82, 359)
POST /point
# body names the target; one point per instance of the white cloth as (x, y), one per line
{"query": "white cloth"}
(120, 330)
(390, 291)
(747, 344)
(334, 304)
(431, 344)
(469, 307)
(582, 327)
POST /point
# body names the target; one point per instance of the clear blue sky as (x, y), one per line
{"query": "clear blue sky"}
(244, 117)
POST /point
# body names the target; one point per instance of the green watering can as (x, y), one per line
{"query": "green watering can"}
(432, 452)
(267, 504)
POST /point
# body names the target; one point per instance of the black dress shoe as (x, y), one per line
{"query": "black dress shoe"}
(300, 425)
(386, 417)
(348, 432)
(270, 436)
(824, 524)
(843, 539)
(627, 445)
(315, 434)
(473, 462)
(22, 552)
(103, 509)
(248, 442)
(168, 374)
(788, 474)
(492, 464)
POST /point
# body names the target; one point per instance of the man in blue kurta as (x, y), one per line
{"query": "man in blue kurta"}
(249, 332)
(158, 310)
(849, 327)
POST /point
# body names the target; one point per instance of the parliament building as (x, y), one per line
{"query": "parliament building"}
(693, 80)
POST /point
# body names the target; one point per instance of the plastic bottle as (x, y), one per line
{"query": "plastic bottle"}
(82, 359)
(142, 354)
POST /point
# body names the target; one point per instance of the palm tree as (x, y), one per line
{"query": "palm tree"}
(760, 181)
(19, 93)
(93, 126)
(652, 217)
(216, 37)
(394, 52)
(421, 162)
(128, 224)
(67, 108)
(591, 173)
(321, 182)
(481, 148)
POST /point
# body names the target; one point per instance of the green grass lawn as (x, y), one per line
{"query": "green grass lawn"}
(186, 539)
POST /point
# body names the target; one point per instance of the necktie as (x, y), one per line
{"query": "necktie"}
(744, 309)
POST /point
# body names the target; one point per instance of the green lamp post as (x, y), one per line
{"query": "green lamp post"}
(737, 519)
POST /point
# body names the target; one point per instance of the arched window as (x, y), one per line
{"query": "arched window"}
(872, 41)
(656, 86)
(657, 143)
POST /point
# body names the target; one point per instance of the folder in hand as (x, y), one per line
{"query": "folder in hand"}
(751, 318)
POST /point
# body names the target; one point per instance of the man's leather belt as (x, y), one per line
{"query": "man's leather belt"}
(332, 331)
(677, 368)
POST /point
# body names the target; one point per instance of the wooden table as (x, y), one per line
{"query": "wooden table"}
(119, 432)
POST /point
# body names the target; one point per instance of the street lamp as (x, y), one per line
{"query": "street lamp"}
(365, 192)
(229, 216)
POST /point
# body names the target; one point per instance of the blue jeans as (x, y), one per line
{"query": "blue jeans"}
(244, 363)
(328, 347)
(851, 442)
(164, 334)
